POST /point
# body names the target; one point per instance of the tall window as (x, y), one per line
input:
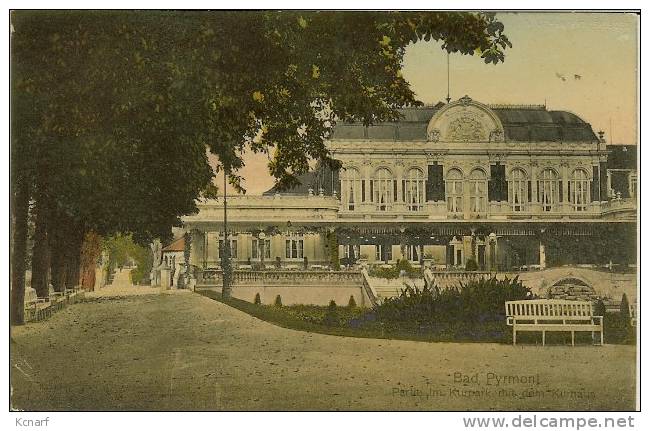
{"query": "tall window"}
(233, 248)
(633, 184)
(548, 189)
(517, 189)
(383, 252)
(414, 189)
(579, 190)
(294, 248)
(413, 253)
(351, 188)
(351, 251)
(257, 246)
(477, 191)
(382, 194)
(454, 191)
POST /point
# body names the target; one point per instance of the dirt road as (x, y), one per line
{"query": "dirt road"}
(182, 351)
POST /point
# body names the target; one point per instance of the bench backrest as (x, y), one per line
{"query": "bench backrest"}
(549, 308)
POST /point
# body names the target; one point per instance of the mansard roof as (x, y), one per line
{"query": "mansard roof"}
(322, 177)
(621, 157)
(521, 123)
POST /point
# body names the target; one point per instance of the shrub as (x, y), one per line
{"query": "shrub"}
(470, 309)
(332, 315)
(278, 301)
(352, 303)
(471, 265)
(404, 265)
(278, 262)
(258, 300)
(599, 308)
(305, 262)
(625, 307)
(395, 271)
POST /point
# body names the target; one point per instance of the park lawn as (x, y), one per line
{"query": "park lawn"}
(359, 322)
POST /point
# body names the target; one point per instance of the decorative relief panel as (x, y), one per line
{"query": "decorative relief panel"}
(465, 129)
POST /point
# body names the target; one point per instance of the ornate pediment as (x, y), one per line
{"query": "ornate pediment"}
(465, 121)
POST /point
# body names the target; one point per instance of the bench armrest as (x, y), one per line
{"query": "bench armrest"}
(597, 320)
(510, 320)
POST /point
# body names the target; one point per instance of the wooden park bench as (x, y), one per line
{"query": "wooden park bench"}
(553, 315)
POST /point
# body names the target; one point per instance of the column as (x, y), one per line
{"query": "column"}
(194, 241)
(492, 241)
(367, 175)
(542, 255)
(533, 186)
(565, 189)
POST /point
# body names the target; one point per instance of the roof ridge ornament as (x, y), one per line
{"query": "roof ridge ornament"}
(465, 100)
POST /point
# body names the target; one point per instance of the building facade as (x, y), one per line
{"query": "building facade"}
(452, 186)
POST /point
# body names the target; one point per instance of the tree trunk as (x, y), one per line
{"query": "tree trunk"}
(73, 258)
(56, 236)
(91, 249)
(40, 252)
(20, 212)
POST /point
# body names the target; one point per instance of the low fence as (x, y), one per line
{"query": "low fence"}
(42, 308)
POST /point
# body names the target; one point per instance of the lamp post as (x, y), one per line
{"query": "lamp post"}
(225, 250)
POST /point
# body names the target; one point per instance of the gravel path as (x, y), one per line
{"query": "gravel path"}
(182, 351)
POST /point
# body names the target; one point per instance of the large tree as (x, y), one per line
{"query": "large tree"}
(118, 107)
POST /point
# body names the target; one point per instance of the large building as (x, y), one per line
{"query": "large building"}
(504, 186)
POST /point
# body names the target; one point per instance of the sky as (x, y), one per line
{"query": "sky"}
(601, 48)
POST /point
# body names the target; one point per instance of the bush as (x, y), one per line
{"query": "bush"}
(599, 308)
(305, 262)
(278, 301)
(332, 315)
(278, 262)
(258, 300)
(625, 307)
(352, 303)
(395, 271)
(471, 265)
(473, 310)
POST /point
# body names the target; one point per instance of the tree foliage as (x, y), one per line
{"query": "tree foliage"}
(118, 107)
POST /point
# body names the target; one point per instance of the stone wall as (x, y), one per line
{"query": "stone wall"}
(295, 287)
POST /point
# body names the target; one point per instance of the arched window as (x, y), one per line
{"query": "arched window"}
(579, 190)
(477, 191)
(351, 188)
(382, 194)
(414, 189)
(518, 190)
(454, 191)
(548, 189)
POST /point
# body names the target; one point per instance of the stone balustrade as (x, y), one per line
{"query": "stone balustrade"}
(283, 278)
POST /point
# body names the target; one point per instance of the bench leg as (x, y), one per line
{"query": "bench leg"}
(601, 336)
(514, 336)
(573, 338)
(543, 338)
